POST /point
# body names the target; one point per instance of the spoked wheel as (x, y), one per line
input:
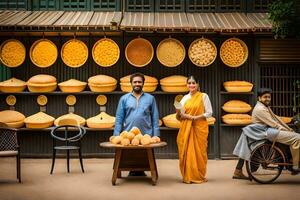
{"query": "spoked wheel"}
(266, 163)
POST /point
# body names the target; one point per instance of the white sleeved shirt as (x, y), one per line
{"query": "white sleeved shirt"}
(207, 104)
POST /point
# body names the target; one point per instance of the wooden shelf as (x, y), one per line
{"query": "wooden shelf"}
(246, 93)
(82, 93)
(233, 125)
(163, 128)
(88, 129)
(238, 125)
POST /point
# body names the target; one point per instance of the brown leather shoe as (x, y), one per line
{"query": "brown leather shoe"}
(238, 174)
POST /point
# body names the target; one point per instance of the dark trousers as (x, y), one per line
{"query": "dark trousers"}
(240, 164)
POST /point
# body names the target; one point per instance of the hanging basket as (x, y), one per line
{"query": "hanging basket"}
(234, 52)
(12, 53)
(170, 52)
(139, 52)
(43, 53)
(74, 53)
(106, 52)
(202, 52)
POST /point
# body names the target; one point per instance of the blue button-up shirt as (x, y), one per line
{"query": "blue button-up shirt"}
(142, 113)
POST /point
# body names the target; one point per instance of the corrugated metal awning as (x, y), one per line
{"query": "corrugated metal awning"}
(228, 22)
(105, 19)
(234, 22)
(171, 21)
(10, 18)
(43, 20)
(203, 21)
(46, 18)
(137, 21)
(74, 19)
(260, 21)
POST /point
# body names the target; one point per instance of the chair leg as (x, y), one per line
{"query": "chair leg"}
(80, 158)
(18, 168)
(68, 160)
(53, 160)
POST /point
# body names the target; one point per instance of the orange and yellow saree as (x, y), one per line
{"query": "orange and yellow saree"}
(192, 142)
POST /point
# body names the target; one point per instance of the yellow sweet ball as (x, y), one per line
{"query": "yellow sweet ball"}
(139, 137)
(111, 138)
(124, 134)
(130, 135)
(125, 142)
(136, 130)
(152, 140)
(146, 135)
(157, 139)
(135, 142)
(117, 140)
(145, 140)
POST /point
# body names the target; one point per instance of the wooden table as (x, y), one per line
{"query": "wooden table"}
(134, 158)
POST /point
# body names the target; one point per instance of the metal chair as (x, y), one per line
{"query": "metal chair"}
(9, 146)
(68, 134)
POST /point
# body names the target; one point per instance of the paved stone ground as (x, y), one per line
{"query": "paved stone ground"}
(96, 183)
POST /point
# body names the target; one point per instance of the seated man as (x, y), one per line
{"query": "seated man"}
(266, 125)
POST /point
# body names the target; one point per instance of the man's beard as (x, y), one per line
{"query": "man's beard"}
(265, 103)
(137, 89)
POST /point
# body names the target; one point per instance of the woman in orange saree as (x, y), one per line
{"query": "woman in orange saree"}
(193, 133)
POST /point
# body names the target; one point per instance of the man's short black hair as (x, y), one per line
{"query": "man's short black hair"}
(262, 91)
(137, 75)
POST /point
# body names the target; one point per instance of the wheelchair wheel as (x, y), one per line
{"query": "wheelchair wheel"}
(265, 164)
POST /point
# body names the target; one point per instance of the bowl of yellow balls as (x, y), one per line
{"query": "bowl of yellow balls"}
(234, 52)
(106, 52)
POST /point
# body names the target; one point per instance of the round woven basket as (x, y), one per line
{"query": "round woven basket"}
(160, 50)
(139, 48)
(76, 54)
(22, 59)
(206, 40)
(49, 44)
(99, 42)
(245, 52)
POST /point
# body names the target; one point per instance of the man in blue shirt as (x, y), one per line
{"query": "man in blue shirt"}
(137, 109)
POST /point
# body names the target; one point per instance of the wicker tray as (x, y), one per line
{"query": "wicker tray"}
(43, 53)
(213, 56)
(12, 51)
(141, 48)
(225, 59)
(161, 53)
(107, 53)
(80, 56)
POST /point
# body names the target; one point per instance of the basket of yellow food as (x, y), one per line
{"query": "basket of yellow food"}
(236, 119)
(238, 86)
(175, 83)
(139, 52)
(74, 53)
(234, 52)
(12, 85)
(102, 83)
(42, 83)
(150, 84)
(170, 52)
(202, 52)
(12, 53)
(236, 106)
(106, 52)
(43, 53)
